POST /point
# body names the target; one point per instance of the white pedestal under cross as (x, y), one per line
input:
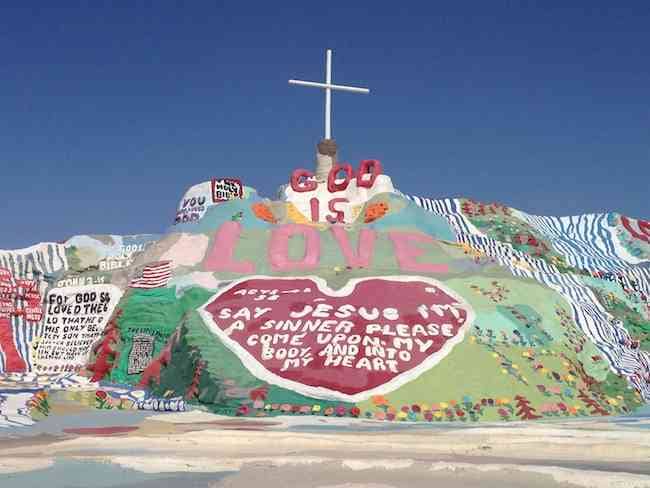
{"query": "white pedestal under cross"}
(328, 87)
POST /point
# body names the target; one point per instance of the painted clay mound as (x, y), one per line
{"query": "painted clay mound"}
(342, 298)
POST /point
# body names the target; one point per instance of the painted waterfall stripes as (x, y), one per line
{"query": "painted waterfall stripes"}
(42, 263)
(587, 242)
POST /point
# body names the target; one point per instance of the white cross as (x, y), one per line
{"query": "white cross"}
(328, 86)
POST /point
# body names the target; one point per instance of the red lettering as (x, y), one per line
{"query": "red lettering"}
(332, 185)
(301, 181)
(339, 216)
(368, 165)
(315, 214)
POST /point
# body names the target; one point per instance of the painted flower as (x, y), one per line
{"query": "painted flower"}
(328, 411)
(243, 410)
(340, 411)
(428, 416)
(380, 415)
(401, 415)
(355, 411)
(285, 407)
(437, 415)
(416, 408)
(315, 408)
(390, 416)
(443, 405)
(405, 408)
(379, 400)
(101, 394)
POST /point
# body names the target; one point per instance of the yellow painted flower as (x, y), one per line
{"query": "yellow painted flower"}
(525, 354)
(424, 407)
(566, 364)
(401, 415)
(620, 397)
(570, 377)
(504, 371)
(578, 407)
(472, 339)
(443, 405)
(514, 366)
(437, 414)
(505, 400)
(544, 370)
(315, 408)
(495, 355)
(612, 401)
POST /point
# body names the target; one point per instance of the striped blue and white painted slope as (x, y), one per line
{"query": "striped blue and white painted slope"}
(587, 242)
(43, 263)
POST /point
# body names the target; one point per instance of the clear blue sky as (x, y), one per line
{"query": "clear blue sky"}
(108, 113)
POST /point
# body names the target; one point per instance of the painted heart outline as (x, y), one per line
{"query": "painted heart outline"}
(432, 332)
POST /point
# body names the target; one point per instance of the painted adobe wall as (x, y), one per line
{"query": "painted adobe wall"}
(348, 298)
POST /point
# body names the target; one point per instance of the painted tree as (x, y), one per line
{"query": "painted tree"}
(596, 408)
(107, 350)
(524, 409)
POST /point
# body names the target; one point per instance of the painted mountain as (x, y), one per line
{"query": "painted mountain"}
(343, 297)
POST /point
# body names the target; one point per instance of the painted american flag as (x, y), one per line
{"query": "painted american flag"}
(154, 275)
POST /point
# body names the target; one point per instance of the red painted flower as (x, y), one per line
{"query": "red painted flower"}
(390, 416)
(428, 416)
(416, 408)
(449, 413)
(460, 413)
(503, 412)
(259, 393)
(243, 410)
(101, 394)
(355, 411)
(340, 411)
(562, 406)
(405, 408)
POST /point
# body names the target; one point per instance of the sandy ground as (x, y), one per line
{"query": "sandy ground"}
(201, 449)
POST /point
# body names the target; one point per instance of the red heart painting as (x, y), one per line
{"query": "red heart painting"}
(369, 337)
